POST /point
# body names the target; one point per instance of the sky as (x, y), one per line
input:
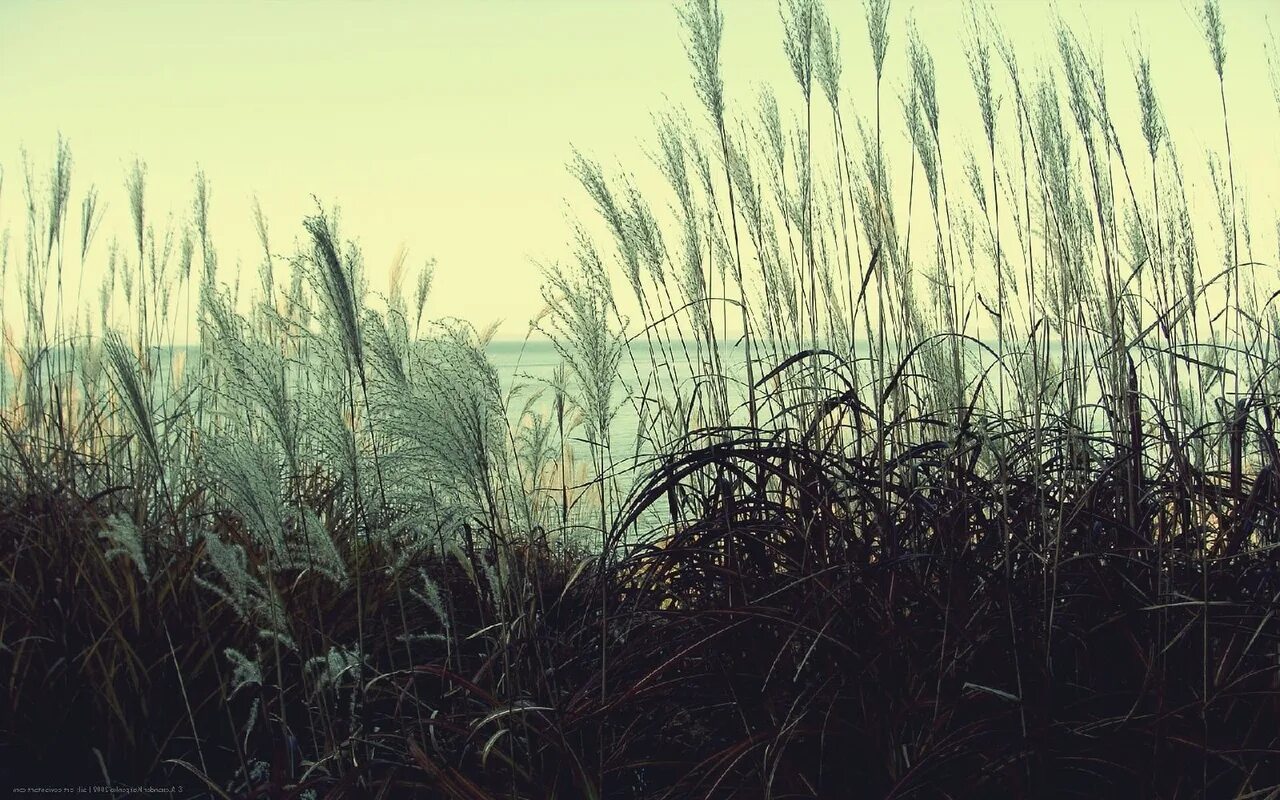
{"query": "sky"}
(444, 127)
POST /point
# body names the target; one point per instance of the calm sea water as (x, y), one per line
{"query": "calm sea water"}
(527, 367)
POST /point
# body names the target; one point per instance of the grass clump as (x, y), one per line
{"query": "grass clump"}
(987, 511)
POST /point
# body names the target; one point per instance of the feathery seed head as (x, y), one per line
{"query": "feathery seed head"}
(923, 77)
(136, 184)
(979, 55)
(122, 534)
(1214, 33)
(798, 21)
(704, 27)
(877, 13)
(1152, 120)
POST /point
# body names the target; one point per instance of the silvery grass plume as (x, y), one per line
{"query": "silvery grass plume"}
(59, 198)
(1272, 46)
(828, 69)
(691, 276)
(135, 185)
(126, 280)
(387, 346)
(615, 216)
(877, 33)
(246, 673)
(877, 13)
(1065, 277)
(497, 573)
(704, 27)
(45, 212)
(780, 280)
(795, 207)
(336, 281)
(126, 540)
(425, 278)
(827, 65)
(637, 236)
(254, 369)
(395, 283)
(978, 55)
(879, 220)
(186, 255)
(316, 550)
(266, 272)
(536, 456)
(646, 233)
(90, 218)
(335, 667)
(977, 184)
(431, 597)
(766, 300)
(340, 667)
(297, 310)
(122, 371)
(581, 334)
(1222, 205)
(920, 124)
(798, 27)
(447, 427)
(108, 288)
(246, 477)
(1214, 32)
(253, 601)
(200, 214)
(330, 441)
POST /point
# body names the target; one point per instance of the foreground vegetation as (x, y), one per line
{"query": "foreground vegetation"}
(926, 539)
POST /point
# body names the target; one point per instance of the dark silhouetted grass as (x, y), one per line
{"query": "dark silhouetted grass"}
(991, 511)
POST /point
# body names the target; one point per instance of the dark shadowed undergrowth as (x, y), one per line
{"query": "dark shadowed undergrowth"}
(993, 517)
(823, 625)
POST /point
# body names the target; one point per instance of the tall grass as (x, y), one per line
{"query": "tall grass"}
(987, 509)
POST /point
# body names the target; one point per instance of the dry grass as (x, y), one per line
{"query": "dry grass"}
(876, 551)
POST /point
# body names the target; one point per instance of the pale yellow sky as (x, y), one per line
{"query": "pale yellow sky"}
(445, 126)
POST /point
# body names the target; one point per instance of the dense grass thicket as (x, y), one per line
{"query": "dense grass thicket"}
(986, 505)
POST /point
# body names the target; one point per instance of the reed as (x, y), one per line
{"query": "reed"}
(926, 537)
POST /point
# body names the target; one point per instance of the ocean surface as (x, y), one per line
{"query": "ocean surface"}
(524, 368)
